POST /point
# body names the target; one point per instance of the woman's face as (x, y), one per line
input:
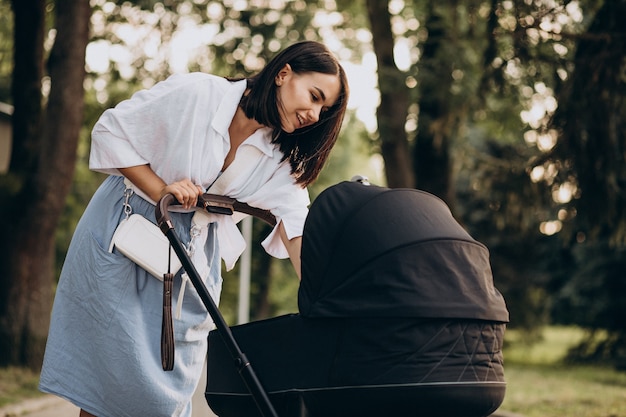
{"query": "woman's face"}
(301, 98)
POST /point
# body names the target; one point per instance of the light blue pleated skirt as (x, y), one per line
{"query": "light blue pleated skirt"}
(103, 349)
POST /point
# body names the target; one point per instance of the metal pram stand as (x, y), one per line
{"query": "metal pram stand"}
(225, 206)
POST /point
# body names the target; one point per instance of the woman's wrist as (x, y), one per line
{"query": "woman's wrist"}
(143, 177)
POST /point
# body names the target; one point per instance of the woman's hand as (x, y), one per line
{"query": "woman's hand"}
(142, 176)
(185, 192)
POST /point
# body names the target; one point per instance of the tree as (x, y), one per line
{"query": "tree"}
(589, 155)
(481, 65)
(394, 100)
(32, 194)
(438, 92)
(591, 127)
(435, 128)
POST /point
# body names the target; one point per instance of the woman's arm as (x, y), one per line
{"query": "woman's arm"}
(294, 247)
(142, 176)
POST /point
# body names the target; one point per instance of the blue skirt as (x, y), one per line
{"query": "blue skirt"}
(103, 350)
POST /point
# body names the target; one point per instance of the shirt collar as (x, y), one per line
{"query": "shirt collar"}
(261, 139)
(227, 107)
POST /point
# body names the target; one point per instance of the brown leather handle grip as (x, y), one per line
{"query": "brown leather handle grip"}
(162, 215)
(212, 203)
(167, 325)
(264, 215)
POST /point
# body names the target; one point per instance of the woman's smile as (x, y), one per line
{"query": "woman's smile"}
(301, 98)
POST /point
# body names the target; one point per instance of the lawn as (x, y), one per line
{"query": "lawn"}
(17, 384)
(539, 384)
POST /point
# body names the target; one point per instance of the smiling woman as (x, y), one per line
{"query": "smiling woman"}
(302, 147)
(303, 97)
(177, 138)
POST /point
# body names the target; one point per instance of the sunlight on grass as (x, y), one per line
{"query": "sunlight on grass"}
(551, 349)
(555, 391)
(540, 385)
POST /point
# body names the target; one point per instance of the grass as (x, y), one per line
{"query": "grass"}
(17, 384)
(551, 391)
(539, 383)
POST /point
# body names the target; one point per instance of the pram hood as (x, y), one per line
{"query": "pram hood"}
(370, 251)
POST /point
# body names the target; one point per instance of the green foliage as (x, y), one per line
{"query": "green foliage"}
(352, 156)
(528, 63)
(591, 128)
(595, 290)
(6, 50)
(593, 295)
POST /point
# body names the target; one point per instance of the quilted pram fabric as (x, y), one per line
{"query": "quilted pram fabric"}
(398, 316)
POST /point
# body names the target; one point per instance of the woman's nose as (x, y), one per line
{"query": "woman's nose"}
(314, 114)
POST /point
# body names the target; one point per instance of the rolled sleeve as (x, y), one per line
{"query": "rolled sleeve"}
(293, 220)
(110, 152)
(164, 126)
(288, 202)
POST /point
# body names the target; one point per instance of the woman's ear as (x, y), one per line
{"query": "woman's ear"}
(283, 74)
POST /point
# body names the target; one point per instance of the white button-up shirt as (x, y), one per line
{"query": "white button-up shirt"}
(180, 127)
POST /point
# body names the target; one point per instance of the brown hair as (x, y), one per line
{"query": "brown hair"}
(307, 149)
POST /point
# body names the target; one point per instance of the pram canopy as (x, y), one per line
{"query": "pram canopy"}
(371, 251)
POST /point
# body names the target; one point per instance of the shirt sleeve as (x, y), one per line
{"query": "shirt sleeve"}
(149, 127)
(293, 216)
(288, 202)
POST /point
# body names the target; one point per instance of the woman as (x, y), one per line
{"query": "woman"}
(103, 350)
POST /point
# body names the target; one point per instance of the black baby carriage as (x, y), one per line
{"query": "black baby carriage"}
(398, 316)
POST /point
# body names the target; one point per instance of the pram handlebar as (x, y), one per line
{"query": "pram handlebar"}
(212, 203)
(221, 205)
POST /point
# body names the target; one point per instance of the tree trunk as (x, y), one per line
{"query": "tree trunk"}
(431, 157)
(394, 100)
(591, 122)
(42, 167)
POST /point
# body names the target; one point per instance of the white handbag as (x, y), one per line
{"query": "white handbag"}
(142, 241)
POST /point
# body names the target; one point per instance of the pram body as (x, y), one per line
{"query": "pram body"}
(398, 316)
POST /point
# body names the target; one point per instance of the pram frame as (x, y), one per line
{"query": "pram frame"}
(226, 206)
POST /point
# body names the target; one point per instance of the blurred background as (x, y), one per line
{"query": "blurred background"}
(513, 112)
